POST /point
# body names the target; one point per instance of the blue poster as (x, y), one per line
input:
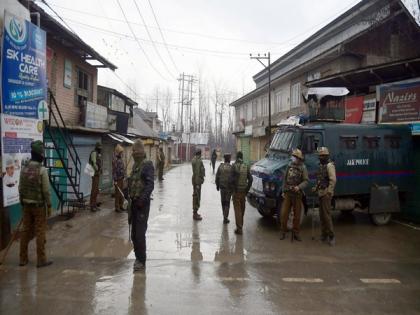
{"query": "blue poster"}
(24, 79)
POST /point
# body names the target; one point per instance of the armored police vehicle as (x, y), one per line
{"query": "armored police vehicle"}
(373, 166)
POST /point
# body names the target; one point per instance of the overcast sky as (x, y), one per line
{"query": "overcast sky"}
(214, 37)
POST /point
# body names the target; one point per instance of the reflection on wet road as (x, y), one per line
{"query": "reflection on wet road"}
(203, 267)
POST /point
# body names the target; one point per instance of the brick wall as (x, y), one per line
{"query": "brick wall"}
(66, 97)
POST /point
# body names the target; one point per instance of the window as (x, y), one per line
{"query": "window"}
(283, 141)
(249, 112)
(311, 142)
(254, 109)
(348, 142)
(392, 141)
(83, 88)
(295, 95)
(278, 100)
(371, 142)
(264, 102)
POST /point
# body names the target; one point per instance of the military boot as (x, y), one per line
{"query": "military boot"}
(282, 236)
(44, 264)
(331, 240)
(139, 266)
(197, 217)
(296, 237)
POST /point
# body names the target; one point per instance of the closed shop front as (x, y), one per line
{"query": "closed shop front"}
(246, 148)
(106, 182)
(84, 145)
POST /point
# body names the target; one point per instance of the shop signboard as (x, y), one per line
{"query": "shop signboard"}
(17, 133)
(399, 102)
(24, 81)
(354, 109)
(96, 116)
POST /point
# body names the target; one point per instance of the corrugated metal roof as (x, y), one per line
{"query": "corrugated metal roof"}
(141, 128)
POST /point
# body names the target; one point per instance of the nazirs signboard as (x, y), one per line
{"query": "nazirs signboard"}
(24, 82)
(399, 102)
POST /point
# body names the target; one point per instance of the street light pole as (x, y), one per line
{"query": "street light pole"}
(268, 67)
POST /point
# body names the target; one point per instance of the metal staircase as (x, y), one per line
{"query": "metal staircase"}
(62, 161)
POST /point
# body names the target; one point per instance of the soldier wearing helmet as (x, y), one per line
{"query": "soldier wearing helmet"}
(294, 181)
(118, 175)
(35, 197)
(95, 159)
(160, 163)
(197, 180)
(241, 182)
(326, 180)
(223, 183)
(140, 187)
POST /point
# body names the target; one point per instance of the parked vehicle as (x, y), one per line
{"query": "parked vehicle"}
(373, 163)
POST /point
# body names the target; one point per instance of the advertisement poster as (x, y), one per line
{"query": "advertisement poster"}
(17, 133)
(354, 109)
(24, 81)
(399, 102)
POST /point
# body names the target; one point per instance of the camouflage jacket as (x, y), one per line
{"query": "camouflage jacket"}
(141, 181)
(118, 169)
(198, 171)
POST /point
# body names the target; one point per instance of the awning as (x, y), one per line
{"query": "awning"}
(323, 91)
(120, 138)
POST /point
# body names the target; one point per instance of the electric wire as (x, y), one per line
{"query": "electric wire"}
(134, 37)
(152, 41)
(285, 42)
(140, 46)
(163, 37)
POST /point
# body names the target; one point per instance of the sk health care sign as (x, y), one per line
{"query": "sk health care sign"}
(24, 82)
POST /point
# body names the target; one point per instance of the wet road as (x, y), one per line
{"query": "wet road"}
(205, 268)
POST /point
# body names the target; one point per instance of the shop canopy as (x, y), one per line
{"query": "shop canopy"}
(119, 138)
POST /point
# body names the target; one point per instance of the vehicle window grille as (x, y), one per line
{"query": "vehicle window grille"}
(371, 142)
(392, 141)
(348, 142)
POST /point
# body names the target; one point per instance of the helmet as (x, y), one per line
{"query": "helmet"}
(98, 145)
(138, 146)
(119, 149)
(198, 152)
(297, 153)
(323, 151)
(37, 147)
(227, 154)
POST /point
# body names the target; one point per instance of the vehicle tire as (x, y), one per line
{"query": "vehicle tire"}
(263, 214)
(380, 218)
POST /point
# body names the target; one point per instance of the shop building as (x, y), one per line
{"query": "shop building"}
(374, 42)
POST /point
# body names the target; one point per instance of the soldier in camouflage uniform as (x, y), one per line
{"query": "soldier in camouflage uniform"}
(35, 198)
(241, 183)
(295, 180)
(197, 180)
(223, 176)
(118, 175)
(95, 159)
(160, 163)
(326, 180)
(140, 185)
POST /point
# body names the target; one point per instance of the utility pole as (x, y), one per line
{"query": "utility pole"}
(260, 57)
(185, 99)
